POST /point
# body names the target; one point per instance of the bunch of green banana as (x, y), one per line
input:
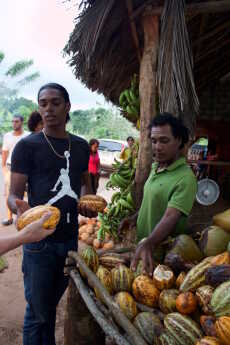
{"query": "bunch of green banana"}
(129, 100)
(122, 204)
(123, 175)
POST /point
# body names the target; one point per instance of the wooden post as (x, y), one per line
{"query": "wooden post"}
(148, 93)
(80, 327)
(133, 29)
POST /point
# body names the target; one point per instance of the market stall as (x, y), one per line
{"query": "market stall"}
(139, 51)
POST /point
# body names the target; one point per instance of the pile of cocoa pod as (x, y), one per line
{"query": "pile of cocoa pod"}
(187, 299)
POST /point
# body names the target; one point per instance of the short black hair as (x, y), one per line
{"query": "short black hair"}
(60, 88)
(179, 130)
(20, 117)
(34, 119)
(130, 138)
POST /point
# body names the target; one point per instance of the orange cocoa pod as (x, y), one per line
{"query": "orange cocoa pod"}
(186, 303)
(223, 329)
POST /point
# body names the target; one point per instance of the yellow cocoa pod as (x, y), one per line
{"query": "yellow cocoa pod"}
(36, 213)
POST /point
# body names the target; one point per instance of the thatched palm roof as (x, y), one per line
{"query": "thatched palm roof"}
(104, 56)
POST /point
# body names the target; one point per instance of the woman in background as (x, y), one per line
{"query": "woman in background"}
(94, 165)
(126, 151)
(35, 123)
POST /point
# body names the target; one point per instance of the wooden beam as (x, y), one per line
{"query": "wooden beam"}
(203, 22)
(148, 94)
(115, 311)
(197, 8)
(214, 49)
(101, 319)
(129, 5)
(212, 33)
(212, 78)
(204, 68)
(80, 327)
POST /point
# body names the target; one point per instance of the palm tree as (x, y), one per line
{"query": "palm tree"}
(13, 72)
(17, 69)
(9, 90)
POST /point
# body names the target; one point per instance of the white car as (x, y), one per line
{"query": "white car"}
(108, 150)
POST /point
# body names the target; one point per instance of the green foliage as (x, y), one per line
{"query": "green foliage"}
(28, 79)
(10, 104)
(19, 67)
(101, 123)
(10, 107)
(2, 55)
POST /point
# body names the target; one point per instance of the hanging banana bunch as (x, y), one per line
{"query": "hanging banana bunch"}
(122, 204)
(130, 102)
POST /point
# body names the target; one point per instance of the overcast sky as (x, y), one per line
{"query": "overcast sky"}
(39, 29)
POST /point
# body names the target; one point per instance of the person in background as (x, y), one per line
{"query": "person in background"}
(125, 153)
(10, 139)
(94, 165)
(33, 232)
(35, 123)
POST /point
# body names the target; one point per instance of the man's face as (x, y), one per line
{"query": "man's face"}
(17, 124)
(165, 146)
(53, 108)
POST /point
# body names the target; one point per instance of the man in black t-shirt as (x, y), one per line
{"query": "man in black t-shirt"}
(52, 163)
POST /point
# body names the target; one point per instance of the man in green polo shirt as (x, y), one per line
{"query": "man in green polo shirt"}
(169, 192)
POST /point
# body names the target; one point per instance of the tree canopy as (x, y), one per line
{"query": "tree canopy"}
(101, 123)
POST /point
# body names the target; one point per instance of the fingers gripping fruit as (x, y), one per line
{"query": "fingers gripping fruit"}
(36, 213)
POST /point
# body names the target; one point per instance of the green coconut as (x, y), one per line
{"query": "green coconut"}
(214, 241)
(187, 248)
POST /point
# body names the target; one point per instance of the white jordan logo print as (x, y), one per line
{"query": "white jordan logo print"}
(63, 179)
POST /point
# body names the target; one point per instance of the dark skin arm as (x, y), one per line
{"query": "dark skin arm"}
(128, 223)
(162, 230)
(4, 159)
(17, 188)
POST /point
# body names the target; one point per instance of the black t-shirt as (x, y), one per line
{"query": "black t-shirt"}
(51, 179)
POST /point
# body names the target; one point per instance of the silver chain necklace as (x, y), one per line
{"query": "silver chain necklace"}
(51, 146)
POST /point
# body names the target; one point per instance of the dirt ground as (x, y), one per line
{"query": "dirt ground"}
(11, 287)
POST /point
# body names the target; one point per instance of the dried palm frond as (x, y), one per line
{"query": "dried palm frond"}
(175, 80)
(97, 15)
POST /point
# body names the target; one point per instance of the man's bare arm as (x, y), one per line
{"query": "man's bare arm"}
(5, 155)
(160, 232)
(4, 159)
(17, 190)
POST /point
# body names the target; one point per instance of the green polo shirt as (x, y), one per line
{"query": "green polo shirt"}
(175, 187)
